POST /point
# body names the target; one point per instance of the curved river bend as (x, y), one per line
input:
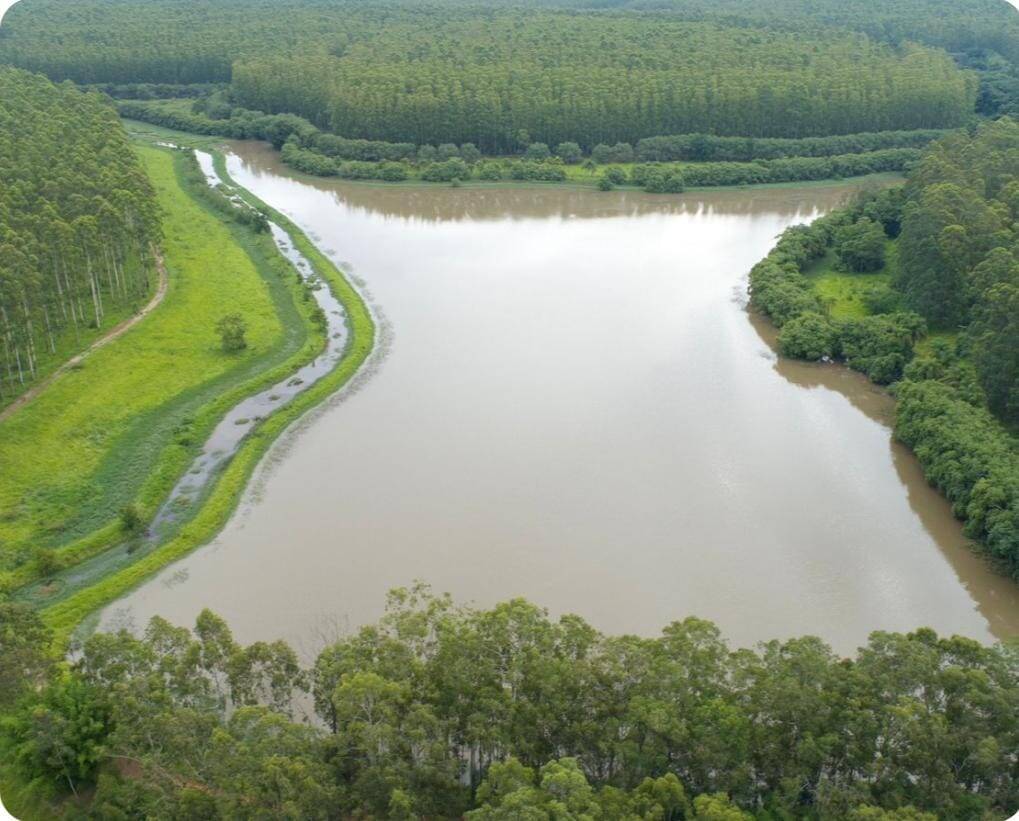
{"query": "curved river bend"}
(577, 408)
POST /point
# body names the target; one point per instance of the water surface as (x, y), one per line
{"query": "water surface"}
(577, 408)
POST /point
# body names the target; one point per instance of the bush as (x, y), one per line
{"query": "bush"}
(615, 175)
(618, 153)
(809, 336)
(454, 169)
(489, 171)
(446, 151)
(663, 180)
(569, 153)
(393, 171)
(860, 246)
(882, 299)
(537, 151)
(604, 183)
(470, 153)
(131, 518)
(231, 329)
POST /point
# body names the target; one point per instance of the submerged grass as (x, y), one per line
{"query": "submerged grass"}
(124, 427)
(223, 497)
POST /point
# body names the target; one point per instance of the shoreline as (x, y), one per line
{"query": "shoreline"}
(223, 495)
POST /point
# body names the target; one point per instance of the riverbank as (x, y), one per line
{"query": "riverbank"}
(838, 290)
(120, 428)
(213, 510)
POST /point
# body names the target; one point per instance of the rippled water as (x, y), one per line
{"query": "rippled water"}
(577, 408)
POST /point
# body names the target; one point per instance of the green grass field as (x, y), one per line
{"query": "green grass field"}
(843, 292)
(124, 425)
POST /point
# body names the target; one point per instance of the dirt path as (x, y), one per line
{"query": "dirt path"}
(114, 333)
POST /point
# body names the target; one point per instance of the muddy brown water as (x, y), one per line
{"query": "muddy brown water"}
(576, 407)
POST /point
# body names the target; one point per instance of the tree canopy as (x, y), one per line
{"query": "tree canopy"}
(504, 77)
(505, 713)
(77, 216)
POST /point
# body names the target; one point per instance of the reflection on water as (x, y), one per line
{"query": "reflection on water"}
(996, 595)
(576, 409)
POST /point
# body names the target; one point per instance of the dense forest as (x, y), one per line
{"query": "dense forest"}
(438, 710)
(501, 79)
(77, 219)
(957, 273)
(597, 80)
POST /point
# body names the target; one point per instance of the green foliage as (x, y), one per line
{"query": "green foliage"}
(66, 614)
(712, 148)
(537, 151)
(808, 336)
(491, 76)
(956, 266)
(545, 719)
(968, 456)
(231, 329)
(569, 152)
(112, 434)
(58, 737)
(860, 246)
(131, 519)
(24, 650)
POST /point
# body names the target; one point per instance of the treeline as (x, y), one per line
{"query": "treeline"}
(438, 711)
(307, 149)
(501, 78)
(503, 81)
(957, 271)
(710, 148)
(77, 220)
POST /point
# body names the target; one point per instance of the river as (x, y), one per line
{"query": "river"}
(577, 408)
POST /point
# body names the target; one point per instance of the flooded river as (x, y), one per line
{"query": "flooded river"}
(577, 408)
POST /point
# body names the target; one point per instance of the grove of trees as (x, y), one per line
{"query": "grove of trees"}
(503, 77)
(439, 711)
(77, 219)
(955, 223)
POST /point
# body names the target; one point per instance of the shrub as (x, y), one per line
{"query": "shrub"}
(231, 329)
(537, 151)
(447, 151)
(569, 153)
(860, 246)
(489, 171)
(393, 171)
(470, 153)
(809, 336)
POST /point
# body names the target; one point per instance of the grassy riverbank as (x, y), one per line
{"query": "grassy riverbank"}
(152, 394)
(221, 501)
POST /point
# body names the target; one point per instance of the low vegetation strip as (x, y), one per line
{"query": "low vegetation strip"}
(654, 164)
(221, 501)
(955, 270)
(122, 428)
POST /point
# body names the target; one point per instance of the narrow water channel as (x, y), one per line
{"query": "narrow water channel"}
(225, 439)
(577, 408)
